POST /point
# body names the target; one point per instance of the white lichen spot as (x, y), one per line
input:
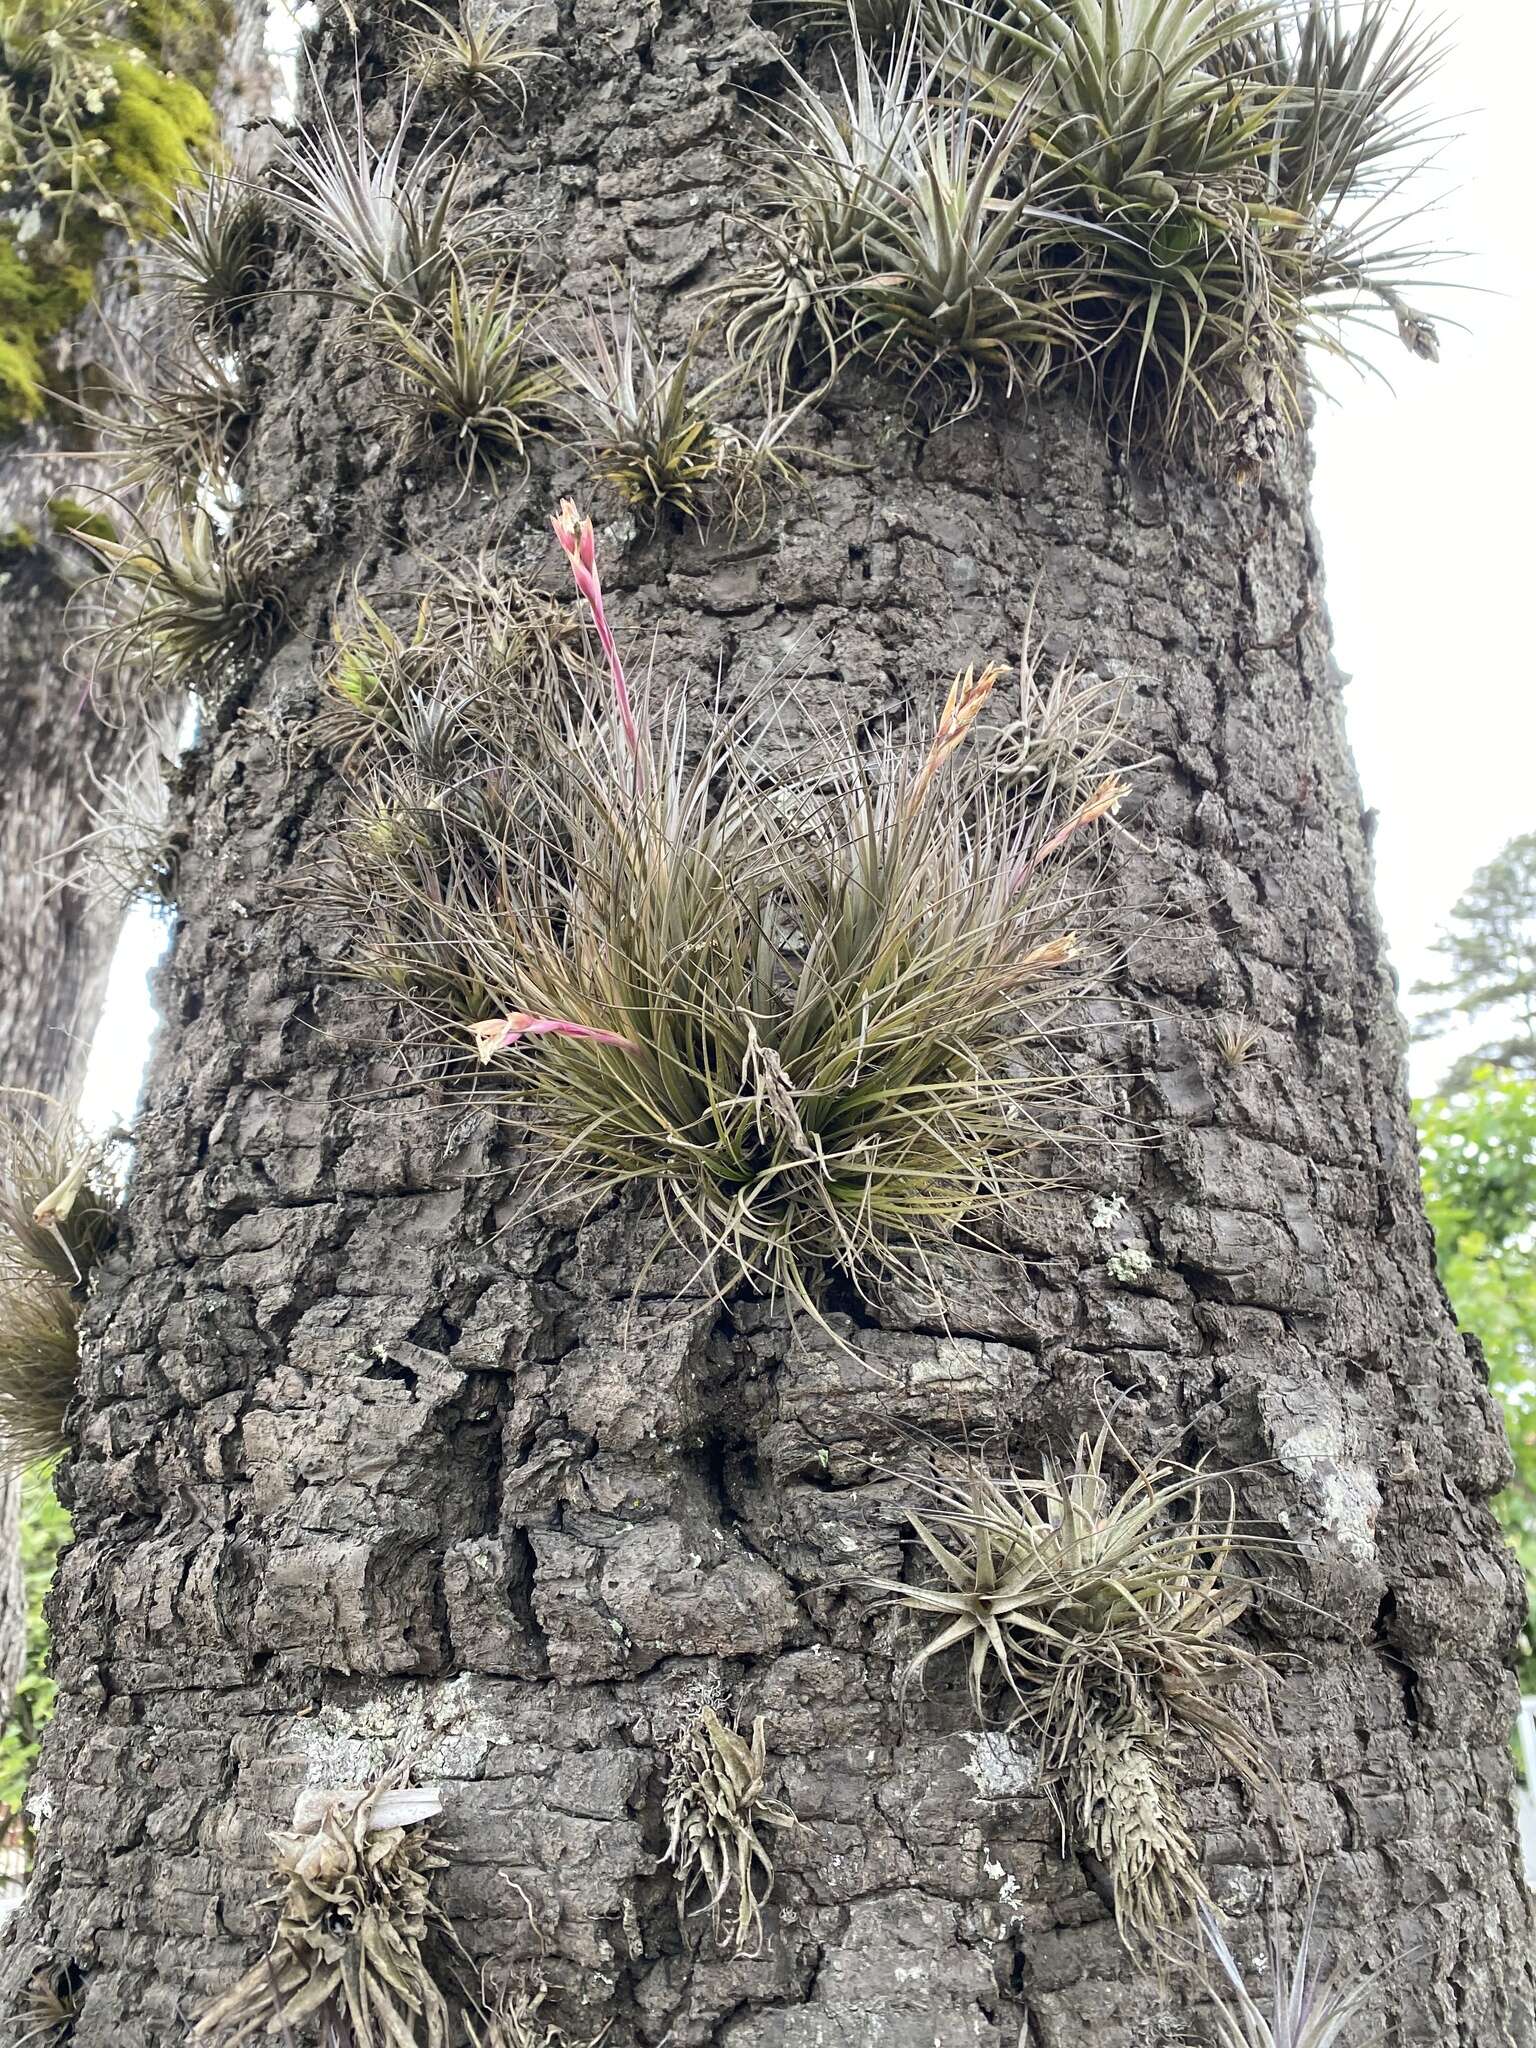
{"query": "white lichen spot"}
(1107, 1211)
(1132, 1262)
(1347, 1496)
(997, 1769)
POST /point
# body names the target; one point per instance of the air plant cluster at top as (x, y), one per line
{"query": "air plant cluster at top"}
(1098, 1624)
(1160, 201)
(818, 1017)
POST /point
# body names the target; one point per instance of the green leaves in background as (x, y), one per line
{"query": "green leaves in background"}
(1479, 1166)
(44, 1532)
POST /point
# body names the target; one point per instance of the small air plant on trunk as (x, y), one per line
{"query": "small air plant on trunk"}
(391, 245)
(129, 853)
(176, 420)
(652, 426)
(477, 61)
(58, 1200)
(1099, 1624)
(906, 226)
(1310, 2004)
(214, 252)
(817, 1018)
(716, 1801)
(473, 372)
(356, 1922)
(187, 600)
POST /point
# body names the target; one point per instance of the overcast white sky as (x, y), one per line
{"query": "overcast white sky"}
(1423, 494)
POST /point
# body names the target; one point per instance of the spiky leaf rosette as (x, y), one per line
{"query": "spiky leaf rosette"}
(1311, 2005)
(58, 1199)
(355, 1921)
(1160, 200)
(1100, 1623)
(716, 1801)
(817, 1016)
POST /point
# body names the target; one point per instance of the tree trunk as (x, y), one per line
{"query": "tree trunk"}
(56, 945)
(367, 1470)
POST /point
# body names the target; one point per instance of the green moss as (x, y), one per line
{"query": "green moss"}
(68, 515)
(17, 540)
(40, 294)
(186, 37)
(154, 129)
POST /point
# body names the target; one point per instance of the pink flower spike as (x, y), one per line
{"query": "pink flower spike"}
(575, 535)
(497, 1033)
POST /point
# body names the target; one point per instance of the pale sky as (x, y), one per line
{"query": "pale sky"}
(1423, 496)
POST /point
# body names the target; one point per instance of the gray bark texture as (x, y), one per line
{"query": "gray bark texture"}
(374, 1462)
(56, 945)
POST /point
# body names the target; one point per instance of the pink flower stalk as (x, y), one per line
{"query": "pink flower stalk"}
(575, 535)
(1104, 802)
(497, 1033)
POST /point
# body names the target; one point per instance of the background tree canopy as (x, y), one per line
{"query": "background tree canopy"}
(1479, 1157)
(1489, 949)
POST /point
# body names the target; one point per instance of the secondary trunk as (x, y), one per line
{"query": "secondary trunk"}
(367, 1470)
(56, 944)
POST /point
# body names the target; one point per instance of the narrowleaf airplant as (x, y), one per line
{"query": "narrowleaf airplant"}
(1098, 1622)
(58, 1199)
(1160, 200)
(1310, 2005)
(817, 1018)
(390, 244)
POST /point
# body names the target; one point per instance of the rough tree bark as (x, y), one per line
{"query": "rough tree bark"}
(366, 1468)
(56, 944)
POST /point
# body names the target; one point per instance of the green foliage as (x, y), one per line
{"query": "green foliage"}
(1478, 1157)
(93, 135)
(1101, 1621)
(44, 1532)
(68, 515)
(1489, 950)
(41, 292)
(1160, 200)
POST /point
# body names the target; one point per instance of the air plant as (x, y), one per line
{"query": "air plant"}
(213, 250)
(128, 853)
(1310, 2006)
(1239, 1043)
(818, 1025)
(188, 599)
(651, 426)
(390, 245)
(58, 1200)
(175, 421)
(716, 1801)
(1126, 94)
(355, 1921)
(1099, 1624)
(1160, 201)
(905, 225)
(473, 371)
(476, 61)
